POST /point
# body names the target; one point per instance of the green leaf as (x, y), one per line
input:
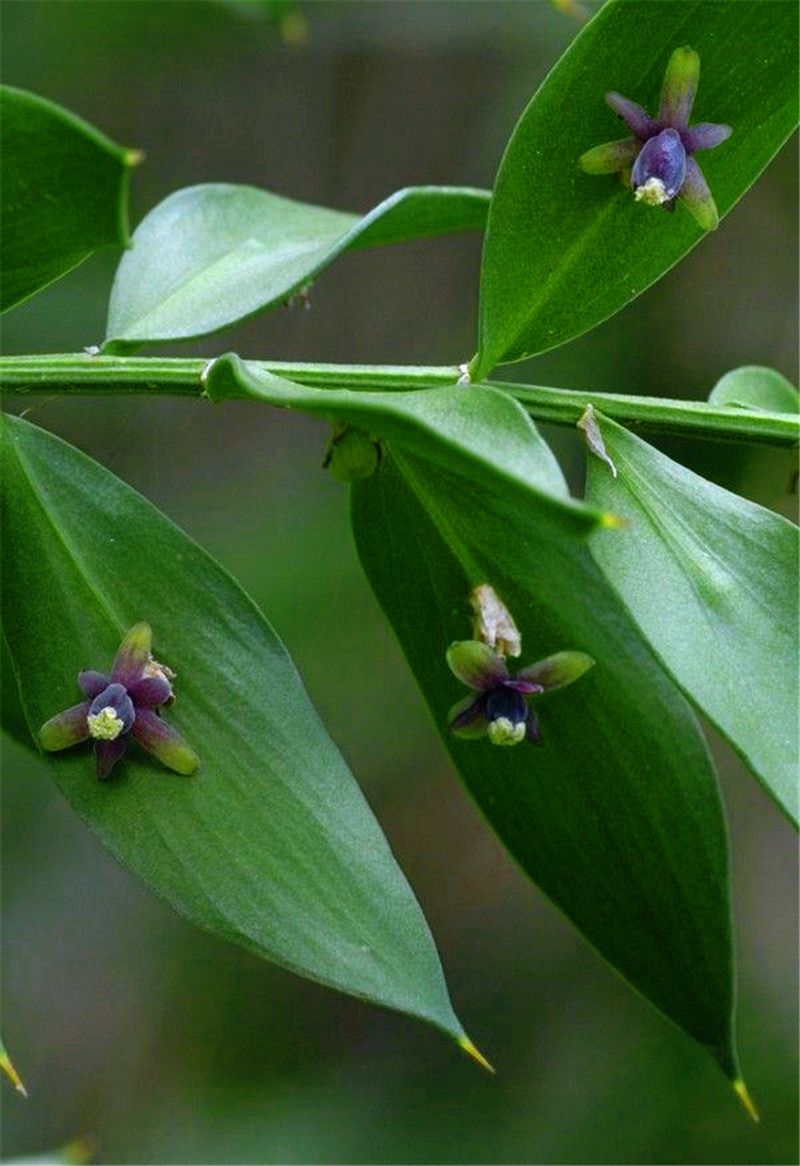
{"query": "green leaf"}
(754, 387)
(564, 250)
(712, 581)
(618, 820)
(7, 1066)
(13, 715)
(617, 817)
(64, 190)
(271, 845)
(210, 256)
(475, 433)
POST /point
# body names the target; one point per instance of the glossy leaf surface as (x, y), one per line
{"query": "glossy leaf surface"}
(754, 387)
(271, 844)
(477, 433)
(712, 581)
(626, 771)
(63, 190)
(617, 816)
(564, 250)
(210, 256)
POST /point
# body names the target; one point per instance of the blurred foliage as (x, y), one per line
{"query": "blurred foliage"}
(161, 1044)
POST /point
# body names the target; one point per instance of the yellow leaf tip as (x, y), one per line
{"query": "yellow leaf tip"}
(469, 1048)
(12, 1074)
(741, 1091)
(613, 522)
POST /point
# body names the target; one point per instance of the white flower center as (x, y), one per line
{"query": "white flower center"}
(105, 725)
(505, 732)
(653, 192)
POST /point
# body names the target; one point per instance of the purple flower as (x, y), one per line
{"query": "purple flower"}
(500, 709)
(659, 156)
(123, 705)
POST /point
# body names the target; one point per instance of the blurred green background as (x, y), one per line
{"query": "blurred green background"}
(160, 1044)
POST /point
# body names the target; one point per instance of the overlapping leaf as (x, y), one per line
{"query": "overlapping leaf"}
(564, 250)
(63, 190)
(272, 844)
(210, 256)
(712, 581)
(479, 433)
(755, 387)
(617, 817)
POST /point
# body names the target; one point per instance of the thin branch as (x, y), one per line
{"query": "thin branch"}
(85, 373)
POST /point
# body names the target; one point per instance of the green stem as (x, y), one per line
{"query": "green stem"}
(659, 414)
(99, 375)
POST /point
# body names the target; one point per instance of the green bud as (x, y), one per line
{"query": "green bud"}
(352, 455)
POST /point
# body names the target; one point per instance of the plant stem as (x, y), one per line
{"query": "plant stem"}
(659, 414)
(83, 373)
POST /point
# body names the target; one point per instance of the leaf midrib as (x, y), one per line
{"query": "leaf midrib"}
(117, 623)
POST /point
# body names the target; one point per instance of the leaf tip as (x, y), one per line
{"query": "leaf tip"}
(12, 1074)
(613, 522)
(469, 1048)
(741, 1091)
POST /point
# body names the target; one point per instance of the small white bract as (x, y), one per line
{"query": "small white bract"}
(493, 623)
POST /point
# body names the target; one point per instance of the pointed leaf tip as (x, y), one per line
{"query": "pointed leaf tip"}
(469, 1048)
(12, 1074)
(610, 521)
(741, 1091)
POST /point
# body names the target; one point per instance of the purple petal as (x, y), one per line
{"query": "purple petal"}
(697, 198)
(107, 754)
(532, 733)
(679, 89)
(476, 665)
(636, 119)
(92, 684)
(133, 654)
(507, 715)
(660, 169)
(65, 729)
(115, 697)
(610, 157)
(557, 671)
(150, 692)
(468, 717)
(705, 136)
(506, 703)
(526, 687)
(160, 739)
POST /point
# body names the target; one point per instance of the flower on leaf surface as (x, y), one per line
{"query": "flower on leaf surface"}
(659, 156)
(120, 706)
(498, 705)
